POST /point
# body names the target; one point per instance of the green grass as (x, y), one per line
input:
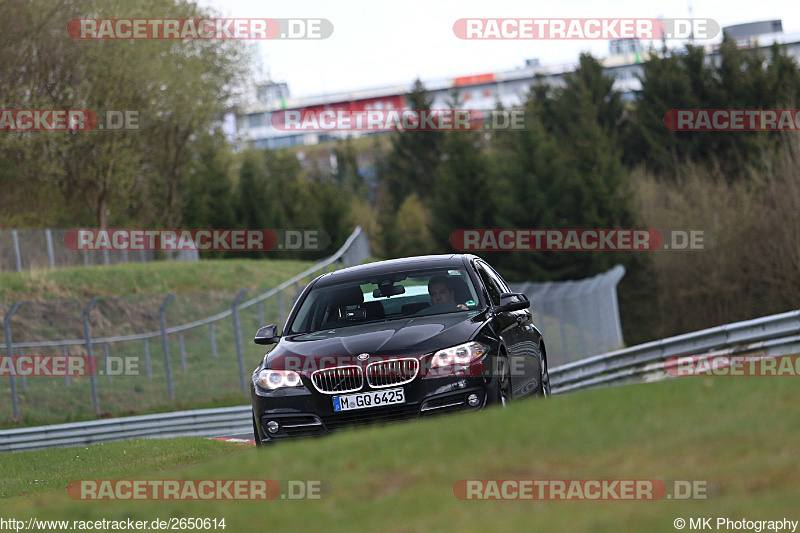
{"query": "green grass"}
(203, 289)
(741, 433)
(140, 279)
(206, 382)
(26, 474)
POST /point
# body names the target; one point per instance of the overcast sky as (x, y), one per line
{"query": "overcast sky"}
(377, 43)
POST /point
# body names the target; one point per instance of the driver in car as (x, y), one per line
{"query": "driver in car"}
(441, 291)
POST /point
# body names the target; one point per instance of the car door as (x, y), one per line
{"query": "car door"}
(506, 323)
(522, 344)
(527, 354)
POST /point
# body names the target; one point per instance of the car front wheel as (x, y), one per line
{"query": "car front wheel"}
(504, 382)
(544, 379)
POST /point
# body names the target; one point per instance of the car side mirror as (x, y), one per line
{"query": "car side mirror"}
(267, 335)
(513, 301)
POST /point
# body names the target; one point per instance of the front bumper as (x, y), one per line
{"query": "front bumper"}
(304, 412)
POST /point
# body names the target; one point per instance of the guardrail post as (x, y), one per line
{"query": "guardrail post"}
(237, 335)
(182, 349)
(281, 307)
(147, 359)
(48, 233)
(162, 320)
(17, 255)
(213, 336)
(10, 350)
(23, 378)
(107, 363)
(296, 292)
(65, 353)
(88, 335)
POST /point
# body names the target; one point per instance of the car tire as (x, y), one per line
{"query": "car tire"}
(504, 382)
(544, 376)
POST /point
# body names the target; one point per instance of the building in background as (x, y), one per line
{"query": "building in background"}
(254, 127)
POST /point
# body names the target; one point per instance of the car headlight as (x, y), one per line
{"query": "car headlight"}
(461, 355)
(277, 379)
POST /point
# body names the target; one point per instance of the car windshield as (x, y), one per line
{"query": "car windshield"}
(399, 295)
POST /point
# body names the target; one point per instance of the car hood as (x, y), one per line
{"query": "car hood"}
(415, 336)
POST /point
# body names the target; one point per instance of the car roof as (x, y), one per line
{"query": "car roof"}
(395, 265)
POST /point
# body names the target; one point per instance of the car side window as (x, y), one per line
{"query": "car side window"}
(497, 278)
(492, 286)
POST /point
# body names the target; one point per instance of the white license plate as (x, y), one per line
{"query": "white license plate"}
(363, 400)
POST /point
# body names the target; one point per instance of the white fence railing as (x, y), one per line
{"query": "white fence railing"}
(21, 315)
(32, 249)
(577, 318)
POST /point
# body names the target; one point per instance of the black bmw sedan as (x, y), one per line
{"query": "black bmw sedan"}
(395, 340)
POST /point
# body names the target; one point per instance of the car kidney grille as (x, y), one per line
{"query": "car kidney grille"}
(391, 372)
(338, 380)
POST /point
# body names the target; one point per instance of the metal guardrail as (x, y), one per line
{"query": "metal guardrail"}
(196, 423)
(771, 335)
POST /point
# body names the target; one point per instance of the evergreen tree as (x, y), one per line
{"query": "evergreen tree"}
(569, 178)
(253, 207)
(736, 79)
(409, 167)
(209, 195)
(462, 196)
(347, 173)
(588, 82)
(413, 228)
(415, 155)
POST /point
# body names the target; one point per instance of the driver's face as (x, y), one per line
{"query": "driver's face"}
(440, 294)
